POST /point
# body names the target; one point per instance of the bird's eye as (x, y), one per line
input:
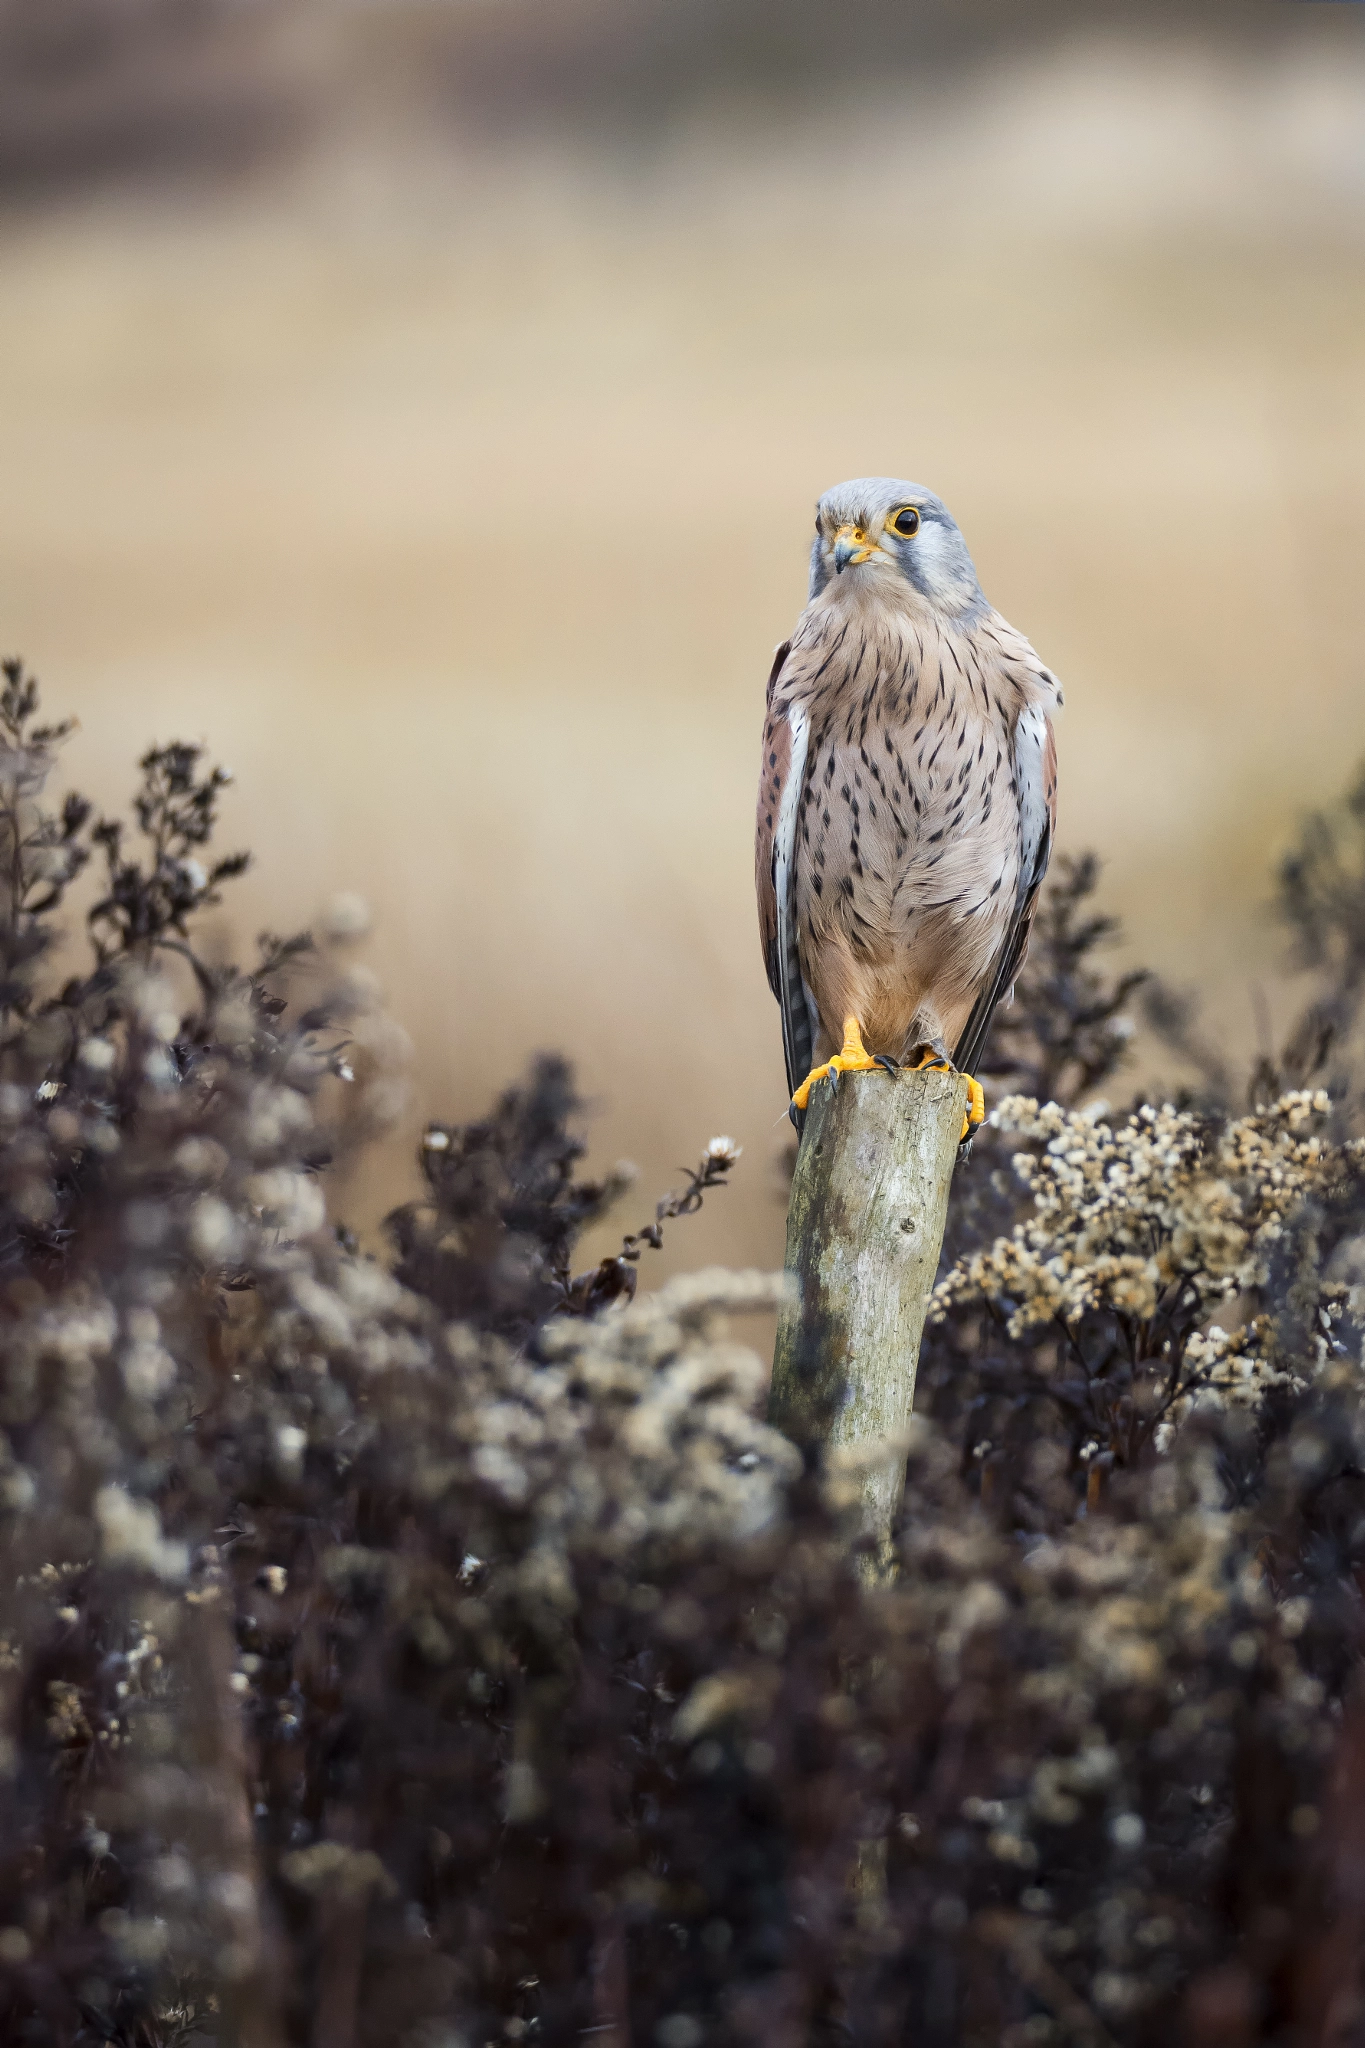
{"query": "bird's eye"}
(905, 521)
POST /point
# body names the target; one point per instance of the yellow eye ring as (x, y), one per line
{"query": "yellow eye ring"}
(904, 521)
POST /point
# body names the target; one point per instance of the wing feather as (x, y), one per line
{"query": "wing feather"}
(1035, 769)
(772, 780)
(781, 782)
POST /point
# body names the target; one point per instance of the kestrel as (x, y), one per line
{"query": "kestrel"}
(907, 799)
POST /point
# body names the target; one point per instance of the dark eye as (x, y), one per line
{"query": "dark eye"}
(906, 521)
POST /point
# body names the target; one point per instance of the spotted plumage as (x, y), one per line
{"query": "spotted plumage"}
(908, 790)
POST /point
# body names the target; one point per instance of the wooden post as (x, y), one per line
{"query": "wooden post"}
(868, 1204)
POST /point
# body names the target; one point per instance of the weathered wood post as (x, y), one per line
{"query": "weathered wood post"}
(868, 1204)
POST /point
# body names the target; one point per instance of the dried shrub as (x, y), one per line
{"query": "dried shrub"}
(438, 1648)
(1068, 1028)
(1320, 898)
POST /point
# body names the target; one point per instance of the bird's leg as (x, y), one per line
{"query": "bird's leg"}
(852, 1058)
(937, 1058)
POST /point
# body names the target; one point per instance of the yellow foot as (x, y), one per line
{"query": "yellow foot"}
(852, 1058)
(976, 1094)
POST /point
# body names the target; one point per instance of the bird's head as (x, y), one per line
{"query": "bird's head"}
(878, 533)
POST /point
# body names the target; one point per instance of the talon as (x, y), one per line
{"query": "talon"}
(852, 1058)
(880, 1059)
(935, 1062)
(976, 1095)
(976, 1111)
(801, 1099)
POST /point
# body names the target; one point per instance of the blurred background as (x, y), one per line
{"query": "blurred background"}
(424, 405)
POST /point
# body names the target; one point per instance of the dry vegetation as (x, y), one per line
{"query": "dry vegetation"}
(439, 1649)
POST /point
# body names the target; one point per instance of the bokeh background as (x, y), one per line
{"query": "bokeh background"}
(424, 404)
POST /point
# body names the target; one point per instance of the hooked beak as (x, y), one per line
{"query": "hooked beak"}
(851, 546)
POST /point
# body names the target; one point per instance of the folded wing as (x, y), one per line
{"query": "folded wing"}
(1035, 777)
(781, 782)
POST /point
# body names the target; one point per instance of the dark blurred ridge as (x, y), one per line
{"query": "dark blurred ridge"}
(91, 89)
(639, 59)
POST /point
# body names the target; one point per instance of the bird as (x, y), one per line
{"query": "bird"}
(907, 799)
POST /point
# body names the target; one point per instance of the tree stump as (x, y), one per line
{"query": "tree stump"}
(868, 1204)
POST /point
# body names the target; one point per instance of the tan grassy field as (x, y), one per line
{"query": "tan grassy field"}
(458, 498)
